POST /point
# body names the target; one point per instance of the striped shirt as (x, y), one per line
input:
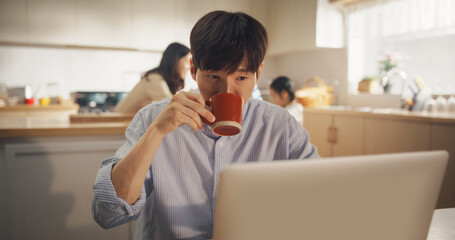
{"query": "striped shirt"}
(178, 196)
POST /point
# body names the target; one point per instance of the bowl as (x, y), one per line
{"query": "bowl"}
(44, 101)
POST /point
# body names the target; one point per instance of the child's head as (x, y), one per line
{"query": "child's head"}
(281, 91)
(227, 53)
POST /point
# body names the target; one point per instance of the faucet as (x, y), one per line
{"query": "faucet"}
(385, 81)
(407, 97)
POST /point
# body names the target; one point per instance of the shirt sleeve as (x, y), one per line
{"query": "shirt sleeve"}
(109, 210)
(300, 146)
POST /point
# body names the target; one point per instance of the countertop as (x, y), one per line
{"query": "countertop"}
(113, 124)
(51, 107)
(101, 117)
(392, 113)
(17, 127)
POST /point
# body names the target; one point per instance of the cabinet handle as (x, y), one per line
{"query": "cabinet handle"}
(329, 135)
(332, 135)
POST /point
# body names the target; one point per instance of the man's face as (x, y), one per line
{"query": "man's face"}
(240, 82)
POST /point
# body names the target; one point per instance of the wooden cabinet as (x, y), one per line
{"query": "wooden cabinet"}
(153, 24)
(47, 187)
(443, 138)
(13, 20)
(51, 21)
(390, 136)
(335, 135)
(348, 133)
(339, 134)
(104, 22)
(137, 24)
(292, 25)
(318, 126)
(295, 25)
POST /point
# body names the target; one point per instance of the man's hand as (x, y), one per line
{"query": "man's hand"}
(184, 108)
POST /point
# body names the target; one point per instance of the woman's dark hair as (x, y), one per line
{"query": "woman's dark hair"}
(283, 83)
(168, 66)
(220, 40)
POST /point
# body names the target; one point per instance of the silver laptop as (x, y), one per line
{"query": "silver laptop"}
(383, 197)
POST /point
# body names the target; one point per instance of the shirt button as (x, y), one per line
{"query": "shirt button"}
(221, 144)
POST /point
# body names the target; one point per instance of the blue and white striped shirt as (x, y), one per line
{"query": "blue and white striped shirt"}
(181, 184)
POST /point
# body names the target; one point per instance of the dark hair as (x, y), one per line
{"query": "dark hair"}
(220, 40)
(168, 66)
(283, 83)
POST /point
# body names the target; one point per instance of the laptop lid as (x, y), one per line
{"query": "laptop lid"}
(386, 196)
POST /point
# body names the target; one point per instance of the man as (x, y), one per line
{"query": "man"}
(173, 159)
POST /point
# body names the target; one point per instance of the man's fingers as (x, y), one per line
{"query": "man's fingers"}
(181, 118)
(196, 97)
(192, 115)
(197, 103)
(201, 110)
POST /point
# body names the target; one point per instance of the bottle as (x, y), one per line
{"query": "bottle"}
(441, 104)
(451, 104)
(430, 104)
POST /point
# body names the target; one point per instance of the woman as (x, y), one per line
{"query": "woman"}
(161, 82)
(283, 95)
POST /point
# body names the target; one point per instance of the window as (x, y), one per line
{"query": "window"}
(421, 31)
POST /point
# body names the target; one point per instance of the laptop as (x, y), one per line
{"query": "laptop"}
(374, 197)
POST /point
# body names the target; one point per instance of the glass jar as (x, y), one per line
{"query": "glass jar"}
(430, 105)
(451, 104)
(441, 104)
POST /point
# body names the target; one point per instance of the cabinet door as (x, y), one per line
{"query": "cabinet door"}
(291, 25)
(188, 13)
(318, 127)
(104, 23)
(49, 190)
(13, 20)
(153, 24)
(349, 135)
(443, 138)
(52, 21)
(390, 136)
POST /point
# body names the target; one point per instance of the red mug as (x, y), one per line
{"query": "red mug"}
(228, 111)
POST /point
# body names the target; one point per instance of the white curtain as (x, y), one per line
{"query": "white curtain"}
(422, 31)
(382, 18)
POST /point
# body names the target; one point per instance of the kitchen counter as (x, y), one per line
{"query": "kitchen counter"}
(345, 131)
(12, 127)
(51, 107)
(23, 110)
(390, 113)
(101, 117)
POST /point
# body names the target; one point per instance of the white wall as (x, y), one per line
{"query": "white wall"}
(329, 64)
(73, 69)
